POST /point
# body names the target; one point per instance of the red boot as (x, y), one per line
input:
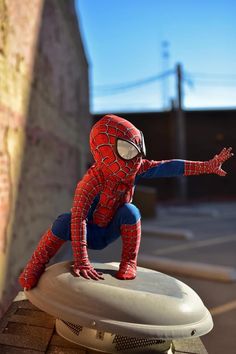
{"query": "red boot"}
(131, 236)
(47, 247)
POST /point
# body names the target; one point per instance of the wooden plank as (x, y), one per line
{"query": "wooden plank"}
(34, 321)
(59, 350)
(25, 341)
(5, 349)
(58, 341)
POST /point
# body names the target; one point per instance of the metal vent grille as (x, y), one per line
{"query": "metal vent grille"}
(125, 343)
(76, 329)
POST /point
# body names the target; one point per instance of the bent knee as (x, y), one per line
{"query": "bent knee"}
(129, 213)
(61, 226)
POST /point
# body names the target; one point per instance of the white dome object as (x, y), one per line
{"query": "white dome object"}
(153, 305)
(110, 342)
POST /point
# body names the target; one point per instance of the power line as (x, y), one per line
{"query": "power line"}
(215, 83)
(165, 54)
(216, 76)
(191, 78)
(105, 90)
(210, 80)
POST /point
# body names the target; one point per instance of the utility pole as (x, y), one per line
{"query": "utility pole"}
(180, 131)
(165, 67)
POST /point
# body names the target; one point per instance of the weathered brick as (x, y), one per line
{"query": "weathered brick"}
(5, 349)
(44, 126)
(28, 341)
(58, 341)
(59, 350)
(39, 320)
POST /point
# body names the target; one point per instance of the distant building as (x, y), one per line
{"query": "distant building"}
(44, 125)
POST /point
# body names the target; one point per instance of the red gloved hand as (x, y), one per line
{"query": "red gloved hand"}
(211, 166)
(215, 164)
(87, 271)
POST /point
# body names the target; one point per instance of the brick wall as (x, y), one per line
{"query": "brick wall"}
(44, 125)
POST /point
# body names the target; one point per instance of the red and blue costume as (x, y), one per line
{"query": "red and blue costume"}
(102, 209)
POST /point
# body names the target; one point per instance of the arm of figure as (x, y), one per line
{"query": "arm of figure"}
(174, 168)
(211, 166)
(157, 169)
(85, 193)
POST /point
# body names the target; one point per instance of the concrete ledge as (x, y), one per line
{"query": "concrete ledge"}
(194, 211)
(189, 269)
(164, 232)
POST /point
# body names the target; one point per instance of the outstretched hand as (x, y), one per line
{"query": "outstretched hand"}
(218, 160)
(87, 272)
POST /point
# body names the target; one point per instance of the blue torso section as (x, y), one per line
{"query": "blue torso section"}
(93, 207)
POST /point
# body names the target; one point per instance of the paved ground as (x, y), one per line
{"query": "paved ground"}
(214, 228)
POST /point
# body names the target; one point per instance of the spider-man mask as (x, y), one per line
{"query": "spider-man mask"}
(117, 147)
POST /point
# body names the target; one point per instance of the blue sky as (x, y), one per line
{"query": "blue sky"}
(123, 40)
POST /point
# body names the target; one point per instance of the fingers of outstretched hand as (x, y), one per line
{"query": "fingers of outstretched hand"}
(221, 172)
(225, 154)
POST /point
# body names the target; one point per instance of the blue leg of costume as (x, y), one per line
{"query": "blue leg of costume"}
(125, 223)
(99, 237)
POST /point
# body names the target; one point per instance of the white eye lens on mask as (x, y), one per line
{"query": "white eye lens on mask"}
(126, 150)
(143, 147)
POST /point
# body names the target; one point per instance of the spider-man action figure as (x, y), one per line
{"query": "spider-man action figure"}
(102, 209)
